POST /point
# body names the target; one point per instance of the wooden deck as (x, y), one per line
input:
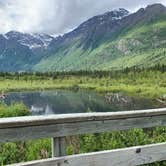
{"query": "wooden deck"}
(58, 127)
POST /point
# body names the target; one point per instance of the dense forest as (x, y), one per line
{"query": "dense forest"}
(91, 73)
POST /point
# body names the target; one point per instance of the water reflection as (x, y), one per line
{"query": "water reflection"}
(62, 101)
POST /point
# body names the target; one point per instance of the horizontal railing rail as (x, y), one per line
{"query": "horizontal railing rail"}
(60, 126)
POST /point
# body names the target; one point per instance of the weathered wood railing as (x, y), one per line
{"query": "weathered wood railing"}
(60, 126)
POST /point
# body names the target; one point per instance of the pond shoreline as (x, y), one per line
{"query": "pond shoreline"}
(68, 101)
(150, 85)
(102, 90)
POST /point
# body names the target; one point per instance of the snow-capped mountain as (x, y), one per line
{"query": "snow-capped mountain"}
(90, 31)
(98, 43)
(33, 41)
(116, 14)
(42, 41)
(108, 16)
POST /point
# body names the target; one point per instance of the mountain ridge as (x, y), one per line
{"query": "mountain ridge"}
(114, 40)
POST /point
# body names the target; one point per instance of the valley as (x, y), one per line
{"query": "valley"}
(115, 61)
(112, 41)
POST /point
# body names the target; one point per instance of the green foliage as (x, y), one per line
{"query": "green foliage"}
(15, 109)
(12, 152)
(25, 151)
(132, 81)
(138, 40)
(38, 149)
(123, 139)
(141, 45)
(149, 83)
(21, 151)
(113, 140)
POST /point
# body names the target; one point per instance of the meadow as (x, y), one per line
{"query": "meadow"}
(148, 84)
(144, 83)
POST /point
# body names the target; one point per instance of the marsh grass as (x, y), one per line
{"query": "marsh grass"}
(142, 84)
(15, 109)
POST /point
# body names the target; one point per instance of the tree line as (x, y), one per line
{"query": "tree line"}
(91, 73)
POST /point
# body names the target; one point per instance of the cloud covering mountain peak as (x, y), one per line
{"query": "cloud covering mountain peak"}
(57, 16)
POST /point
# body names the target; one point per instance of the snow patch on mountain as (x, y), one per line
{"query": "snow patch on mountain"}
(31, 40)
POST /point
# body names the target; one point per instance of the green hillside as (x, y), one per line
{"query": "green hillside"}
(142, 45)
(112, 41)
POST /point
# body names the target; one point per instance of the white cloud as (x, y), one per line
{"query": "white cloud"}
(57, 16)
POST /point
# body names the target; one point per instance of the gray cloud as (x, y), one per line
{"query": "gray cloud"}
(57, 16)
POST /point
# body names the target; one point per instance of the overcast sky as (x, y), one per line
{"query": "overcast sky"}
(57, 16)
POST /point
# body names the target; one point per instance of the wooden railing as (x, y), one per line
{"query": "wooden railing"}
(58, 127)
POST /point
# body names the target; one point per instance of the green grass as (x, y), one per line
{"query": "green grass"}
(151, 84)
(141, 45)
(21, 151)
(17, 152)
(15, 109)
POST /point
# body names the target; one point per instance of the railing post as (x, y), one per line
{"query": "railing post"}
(58, 147)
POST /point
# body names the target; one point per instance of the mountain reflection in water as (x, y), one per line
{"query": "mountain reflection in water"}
(63, 102)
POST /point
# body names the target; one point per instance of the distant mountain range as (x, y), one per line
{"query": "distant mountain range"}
(114, 40)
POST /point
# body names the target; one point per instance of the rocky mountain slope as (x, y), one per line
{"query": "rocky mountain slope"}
(114, 40)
